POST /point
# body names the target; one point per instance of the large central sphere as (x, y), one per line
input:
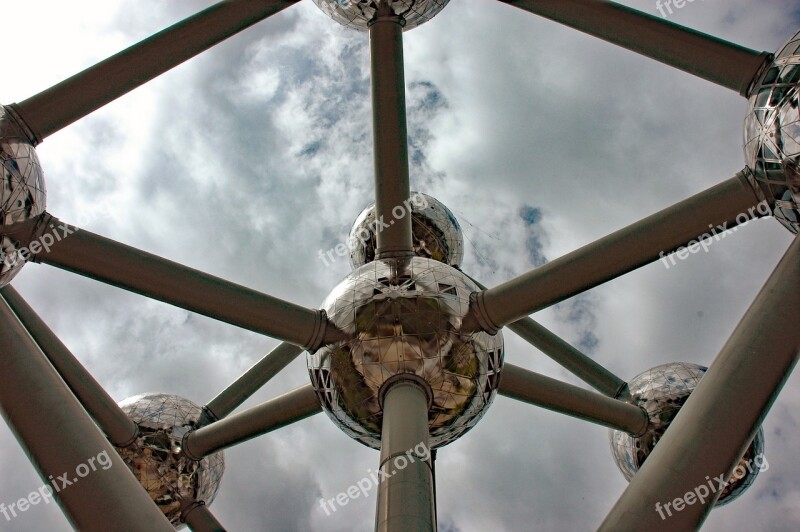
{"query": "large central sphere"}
(403, 317)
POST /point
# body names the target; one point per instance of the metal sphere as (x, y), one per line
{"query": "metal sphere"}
(22, 194)
(359, 14)
(404, 316)
(772, 135)
(662, 391)
(436, 233)
(171, 479)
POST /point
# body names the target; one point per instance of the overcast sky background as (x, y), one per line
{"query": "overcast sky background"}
(247, 161)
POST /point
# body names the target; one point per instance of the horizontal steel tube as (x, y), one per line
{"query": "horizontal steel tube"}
(712, 431)
(266, 417)
(616, 254)
(253, 379)
(72, 99)
(62, 441)
(721, 62)
(552, 394)
(110, 418)
(126, 267)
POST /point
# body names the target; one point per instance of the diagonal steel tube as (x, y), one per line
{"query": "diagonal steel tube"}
(566, 355)
(200, 519)
(390, 137)
(63, 442)
(109, 417)
(721, 62)
(271, 415)
(616, 254)
(712, 431)
(249, 383)
(552, 394)
(72, 99)
(111, 262)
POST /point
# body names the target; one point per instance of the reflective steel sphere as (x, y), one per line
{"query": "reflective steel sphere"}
(772, 135)
(404, 315)
(435, 230)
(22, 193)
(358, 14)
(156, 459)
(662, 391)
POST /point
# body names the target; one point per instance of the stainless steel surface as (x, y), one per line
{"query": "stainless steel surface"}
(169, 477)
(22, 195)
(772, 135)
(404, 316)
(662, 391)
(435, 231)
(359, 14)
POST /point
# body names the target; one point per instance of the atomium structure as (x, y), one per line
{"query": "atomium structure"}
(407, 350)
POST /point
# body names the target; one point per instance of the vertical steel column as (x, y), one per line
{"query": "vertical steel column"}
(710, 434)
(405, 494)
(64, 443)
(110, 418)
(390, 136)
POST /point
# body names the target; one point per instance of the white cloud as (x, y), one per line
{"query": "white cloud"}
(247, 160)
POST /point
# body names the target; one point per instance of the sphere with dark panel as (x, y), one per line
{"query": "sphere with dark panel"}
(155, 458)
(435, 231)
(22, 194)
(359, 14)
(662, 391)
(404, 316)
(772, 135)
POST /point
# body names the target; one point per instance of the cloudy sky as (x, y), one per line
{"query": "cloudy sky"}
(247, 161)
